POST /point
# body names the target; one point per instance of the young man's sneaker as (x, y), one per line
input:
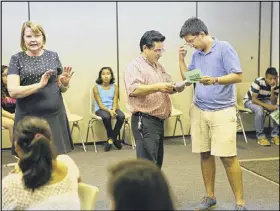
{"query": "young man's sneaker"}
(240, 207)
(108, 145)
(118, 144)
(264, 142)
(207, 203)
(275, 140)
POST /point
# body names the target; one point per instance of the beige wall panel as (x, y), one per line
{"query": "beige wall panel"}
(13, 15)
(167, 20)
(265, 37)
(84, 35)
(275, 36)
(237, 23)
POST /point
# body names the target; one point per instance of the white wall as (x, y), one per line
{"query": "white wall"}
(265, 37)
(237, 23)
(275, 36)
(84, 35)
(14, 14)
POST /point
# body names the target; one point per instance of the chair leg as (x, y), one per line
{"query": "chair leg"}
(72, 128)
(123, 135)
(240, 120)
(267, 114)
(93, 139)
(81, 137)
(9, 165)
(181, 124)
(269, 124)
(133, 144)
(89, 125)
(175, 127)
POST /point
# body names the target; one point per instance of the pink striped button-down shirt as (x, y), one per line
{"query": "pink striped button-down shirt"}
(140, 71)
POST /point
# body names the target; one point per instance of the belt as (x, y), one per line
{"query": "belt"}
(148, 116)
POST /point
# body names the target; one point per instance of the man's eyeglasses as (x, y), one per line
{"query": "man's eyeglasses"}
(190, 42)
(159, 50)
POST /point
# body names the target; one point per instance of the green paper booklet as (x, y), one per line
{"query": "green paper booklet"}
(275, 116)
(193, 76)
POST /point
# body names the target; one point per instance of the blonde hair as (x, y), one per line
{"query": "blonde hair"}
(36, 28)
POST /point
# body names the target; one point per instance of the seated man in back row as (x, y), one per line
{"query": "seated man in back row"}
(262, 96)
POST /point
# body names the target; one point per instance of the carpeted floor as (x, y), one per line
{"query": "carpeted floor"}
(266, 168)
(182, 169)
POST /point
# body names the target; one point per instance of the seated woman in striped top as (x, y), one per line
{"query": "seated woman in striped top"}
(106, 105)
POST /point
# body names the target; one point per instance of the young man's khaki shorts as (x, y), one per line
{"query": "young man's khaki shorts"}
(214, 131)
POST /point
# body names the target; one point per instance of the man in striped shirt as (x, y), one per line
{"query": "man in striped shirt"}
(262, 96)
(148, 87)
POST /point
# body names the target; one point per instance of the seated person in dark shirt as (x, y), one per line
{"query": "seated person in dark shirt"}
(263, 95)
(8, 104)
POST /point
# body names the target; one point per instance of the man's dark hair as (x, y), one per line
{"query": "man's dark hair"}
(193, 26)
(99, 79)
(271, 71)
(149, 38)
(139, 185)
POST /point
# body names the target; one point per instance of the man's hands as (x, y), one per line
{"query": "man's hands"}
(270, 107)
(165, 87)
(206, 80)
(182, 53)
(273, 86)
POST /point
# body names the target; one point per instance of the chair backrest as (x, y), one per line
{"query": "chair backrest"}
(88, 195)
(124, 98)
(241, 89)
(65, 105)
(172, 106)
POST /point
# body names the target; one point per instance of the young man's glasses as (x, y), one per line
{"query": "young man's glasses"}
(190, 42)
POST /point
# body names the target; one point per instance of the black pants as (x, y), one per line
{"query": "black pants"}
(106, 117)
(150, 146)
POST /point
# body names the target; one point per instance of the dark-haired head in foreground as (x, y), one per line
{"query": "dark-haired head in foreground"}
(138, 185)
(35, 151)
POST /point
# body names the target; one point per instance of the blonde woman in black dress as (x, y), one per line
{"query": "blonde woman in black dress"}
(36, 79)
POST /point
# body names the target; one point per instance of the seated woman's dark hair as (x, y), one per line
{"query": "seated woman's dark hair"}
(99, 79)
(33, 137)
(139, 185)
